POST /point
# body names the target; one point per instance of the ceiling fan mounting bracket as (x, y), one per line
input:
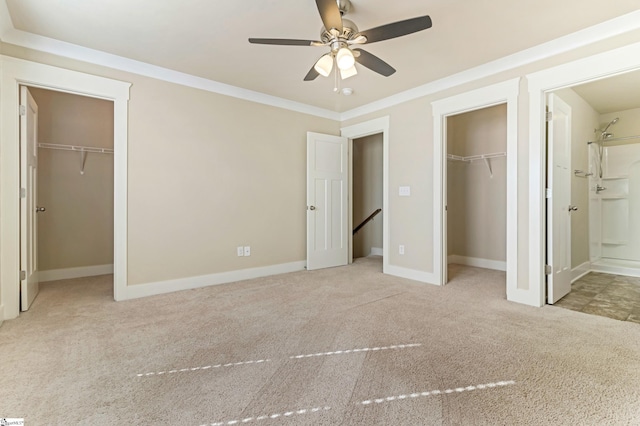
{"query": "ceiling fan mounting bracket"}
(344, 6)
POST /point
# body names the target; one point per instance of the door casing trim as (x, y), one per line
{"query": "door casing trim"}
(14, 73)
(596, 67)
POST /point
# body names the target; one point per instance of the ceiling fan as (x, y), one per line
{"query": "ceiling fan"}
(341, 34)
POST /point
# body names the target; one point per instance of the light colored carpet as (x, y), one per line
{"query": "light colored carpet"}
(342, 346)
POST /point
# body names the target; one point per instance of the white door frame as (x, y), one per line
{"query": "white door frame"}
(501, 93)
(16, 72)
(596, 67)
(360, 130)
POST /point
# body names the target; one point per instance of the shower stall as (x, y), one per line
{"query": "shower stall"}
(614, 202)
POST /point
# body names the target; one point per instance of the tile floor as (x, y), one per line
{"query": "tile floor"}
(607, 295)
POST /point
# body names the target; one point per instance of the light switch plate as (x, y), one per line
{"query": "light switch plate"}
(404, 191)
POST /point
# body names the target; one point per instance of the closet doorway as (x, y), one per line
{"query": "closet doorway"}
(75, 186)
(476, 190)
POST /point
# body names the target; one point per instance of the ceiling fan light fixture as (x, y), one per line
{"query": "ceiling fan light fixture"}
(324, 65)
(349, 72)
(345, 58)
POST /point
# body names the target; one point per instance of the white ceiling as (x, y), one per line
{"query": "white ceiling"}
(612, 94)
(208, 38)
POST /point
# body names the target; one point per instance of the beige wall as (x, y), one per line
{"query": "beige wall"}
(367, 193)
(76, 230)
(202, 165)
(207, 173)
(583, 120)
(476, 201)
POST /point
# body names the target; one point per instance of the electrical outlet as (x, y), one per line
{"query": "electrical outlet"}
(240, 251)
(401, 249)
(247, 250)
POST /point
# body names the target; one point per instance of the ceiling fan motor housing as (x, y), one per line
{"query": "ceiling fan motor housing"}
(349, 31)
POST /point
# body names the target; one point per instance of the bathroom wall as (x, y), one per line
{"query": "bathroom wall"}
(584, 119)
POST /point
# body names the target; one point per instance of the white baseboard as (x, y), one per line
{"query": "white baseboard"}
(65, 274)
(376, 251)
(498, 265)
(161, 287)
(580, 271)
(412, 274)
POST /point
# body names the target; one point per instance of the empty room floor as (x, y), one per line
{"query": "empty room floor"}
(340, 346)
(612, 296)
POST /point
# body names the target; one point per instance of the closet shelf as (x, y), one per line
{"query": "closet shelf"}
(476, 157)
(76, 148)
(485, 157)
(614, 242)
(83, 150)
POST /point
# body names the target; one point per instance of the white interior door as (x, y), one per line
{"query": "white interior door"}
(327, 218)
(559, 202)
(28, 207)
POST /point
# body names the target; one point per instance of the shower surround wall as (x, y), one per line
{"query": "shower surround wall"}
(620, 201)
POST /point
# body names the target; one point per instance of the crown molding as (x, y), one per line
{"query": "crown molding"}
(73, 51)
(590, 35)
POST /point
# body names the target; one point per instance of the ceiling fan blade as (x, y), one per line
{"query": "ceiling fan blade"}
(312, 74)
(373, 63)
(330, 14)
(285, 42)
(397, 29)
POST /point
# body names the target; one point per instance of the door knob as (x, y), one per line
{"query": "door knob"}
(40, 209)
(573, 208)
(312, 207)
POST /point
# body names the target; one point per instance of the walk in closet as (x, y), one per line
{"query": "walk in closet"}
(476, 188)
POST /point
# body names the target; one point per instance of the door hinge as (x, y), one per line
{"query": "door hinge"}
(23, 110)
(547, 193)
(23, 193)
(547, 269)
(23, 275)
(549, 116)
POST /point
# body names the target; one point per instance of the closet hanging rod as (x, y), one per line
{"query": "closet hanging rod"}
(76, 148)
(623, 138)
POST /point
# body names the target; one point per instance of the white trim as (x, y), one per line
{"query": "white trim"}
(14, 73)
(360, 130)
(580, 271)
(376, 251)
(505, 92)
(594, 67)
(607, 29)
(67, 273)
(412, 274)
(477, 262)
(609, 266)
(161, 287)
(599, 32)
(73, 51)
